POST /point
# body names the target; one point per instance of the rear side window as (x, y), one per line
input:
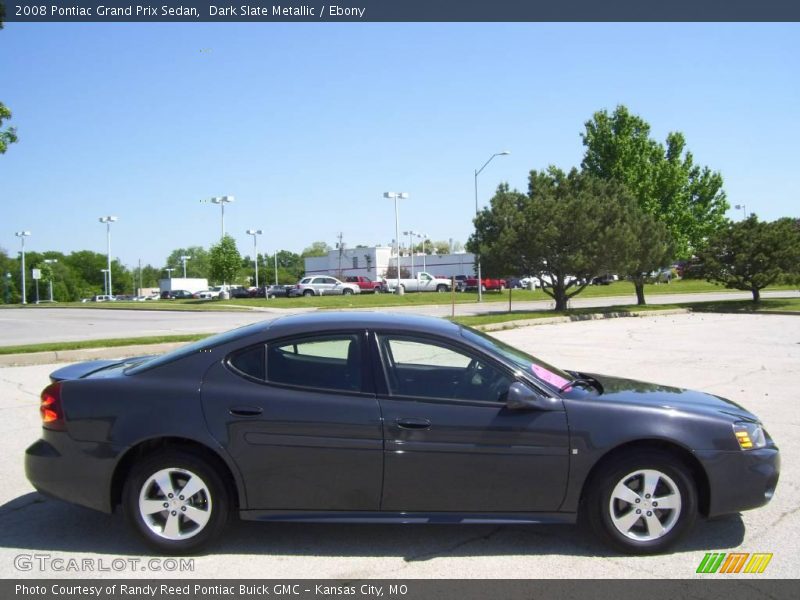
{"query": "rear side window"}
(331, 362)
(250, 361)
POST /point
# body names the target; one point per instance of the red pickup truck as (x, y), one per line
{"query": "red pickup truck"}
(366, 284)
(489, 284)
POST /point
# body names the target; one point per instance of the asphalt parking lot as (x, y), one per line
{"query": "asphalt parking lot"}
(751, 359)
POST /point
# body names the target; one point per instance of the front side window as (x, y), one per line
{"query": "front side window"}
(424, 368)
(327, 362)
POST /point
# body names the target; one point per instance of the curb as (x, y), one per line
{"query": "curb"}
(586, 317)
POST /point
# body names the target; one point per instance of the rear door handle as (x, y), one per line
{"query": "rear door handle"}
(413, 423)
(246, 411)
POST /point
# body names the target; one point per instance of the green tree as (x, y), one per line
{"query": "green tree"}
(441, 246)
(648, 246)
(751, 254)
(198, 266)
(566, 230)
(316, 249)
(7, 136)
(686, 198)
(225, 260)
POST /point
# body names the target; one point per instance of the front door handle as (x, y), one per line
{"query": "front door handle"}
(413, 423)
(246, 411)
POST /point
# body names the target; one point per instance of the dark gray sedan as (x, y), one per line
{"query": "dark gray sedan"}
(366, 417)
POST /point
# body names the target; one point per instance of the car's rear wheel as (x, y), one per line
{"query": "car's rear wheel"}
(642, 504)
(176, 502)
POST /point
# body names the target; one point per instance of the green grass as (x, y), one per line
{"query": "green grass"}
(108, 343)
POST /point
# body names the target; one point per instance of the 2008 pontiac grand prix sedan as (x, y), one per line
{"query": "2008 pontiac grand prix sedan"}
(368, 417)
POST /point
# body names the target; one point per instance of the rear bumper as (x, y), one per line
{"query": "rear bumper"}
(740, 480)
(77, 472)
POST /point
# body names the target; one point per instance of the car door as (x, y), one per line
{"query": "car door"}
(324, 285)
(450, 442)
(300, 420)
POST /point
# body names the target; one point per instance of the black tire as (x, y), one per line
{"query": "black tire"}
(601, 515)
(212, 502)
(347, 292)
(441, 288)
(308, 292)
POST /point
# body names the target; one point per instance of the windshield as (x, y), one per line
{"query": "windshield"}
(548, 374)
(195, 347)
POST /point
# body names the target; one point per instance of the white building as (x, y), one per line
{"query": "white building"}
(374, 261)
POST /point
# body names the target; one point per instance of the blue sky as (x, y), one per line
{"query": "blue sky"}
(308, 124)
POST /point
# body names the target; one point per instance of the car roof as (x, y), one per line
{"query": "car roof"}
(319, 321)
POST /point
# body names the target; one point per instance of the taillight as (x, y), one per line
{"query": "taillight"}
(50, 408)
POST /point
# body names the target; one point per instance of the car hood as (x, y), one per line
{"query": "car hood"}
(617, 389)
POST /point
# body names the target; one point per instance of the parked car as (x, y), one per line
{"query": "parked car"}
(488, 284)
(366, 284)
(210, 293)
(606, 279)
(323, 285)
(460, 283)
(370, 417)
(103, 298)
(423, 282)
(239, 292)
(176, 295)
(272, 291)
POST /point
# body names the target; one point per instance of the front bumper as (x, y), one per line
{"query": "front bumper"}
(77, 472)
(740, 480)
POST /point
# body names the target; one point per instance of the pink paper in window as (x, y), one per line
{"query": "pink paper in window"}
(549, 377)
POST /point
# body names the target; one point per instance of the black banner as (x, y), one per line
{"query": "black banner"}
(397, 589)
(401, 10)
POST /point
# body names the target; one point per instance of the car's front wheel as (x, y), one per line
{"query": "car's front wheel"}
(176, 502)
(642, 504)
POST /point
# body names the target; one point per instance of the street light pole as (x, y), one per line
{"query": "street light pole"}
(411, 235)
(222, 201)
(396, 196)
(255, 233)
(108, 221)
(423, 236)
(22, 235)
(105, 273)
(183, 260)
(169, 271)
(743, 209)
(478, 257)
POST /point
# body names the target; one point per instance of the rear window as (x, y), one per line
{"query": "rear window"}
(195, 347)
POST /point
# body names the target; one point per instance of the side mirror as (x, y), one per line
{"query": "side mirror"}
(521, 397)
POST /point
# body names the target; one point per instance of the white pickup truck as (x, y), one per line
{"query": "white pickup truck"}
(423, 282)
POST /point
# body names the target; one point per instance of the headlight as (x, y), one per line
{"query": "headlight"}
(749, 435)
